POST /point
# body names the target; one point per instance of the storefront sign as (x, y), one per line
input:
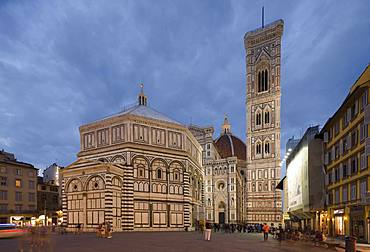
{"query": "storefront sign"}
(16, 218)
(338, 211)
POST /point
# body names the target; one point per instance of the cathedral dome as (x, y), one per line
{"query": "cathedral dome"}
(229, 145)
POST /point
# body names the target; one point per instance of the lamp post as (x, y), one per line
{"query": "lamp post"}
(45, 220)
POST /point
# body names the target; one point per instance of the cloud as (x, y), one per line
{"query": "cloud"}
(65, 63)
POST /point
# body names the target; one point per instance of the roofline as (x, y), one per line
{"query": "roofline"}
(262, 29)
(128, 114)
(349, 95)
(15, 162)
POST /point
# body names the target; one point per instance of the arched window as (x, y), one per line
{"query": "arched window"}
(273, 186)
(209, 202)
(253, 187)
(159, 174)
(267, 148)
(258, 119)
(267, 117)
(258, 148)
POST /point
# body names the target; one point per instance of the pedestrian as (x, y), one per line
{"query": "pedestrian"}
(78, 228)
(109, 230)
(207, 232)
(266, 230)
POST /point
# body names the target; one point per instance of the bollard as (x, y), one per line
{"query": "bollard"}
(351, 244)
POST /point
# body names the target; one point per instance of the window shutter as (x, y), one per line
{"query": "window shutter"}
(326, 159)
(349, 114)
(361, 131)
(341, 147)
(367, 115)
(333, 153)
(325, 137)
(356, 107)
(333, 175)
(326, 179)
(349, 145)
(363, 161)
(327, 199)
(349, 167)
(340, 171)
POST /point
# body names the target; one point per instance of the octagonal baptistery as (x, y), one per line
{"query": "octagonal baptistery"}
(138, 170)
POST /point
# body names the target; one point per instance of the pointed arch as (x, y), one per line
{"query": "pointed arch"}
(258, 147)
(267, 147)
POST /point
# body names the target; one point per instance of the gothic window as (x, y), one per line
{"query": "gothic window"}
(258, 148)
(258, 119)
(267, 117)
(159, 169)
(263, 77)
(159, 174)
(267, 148)
(141, 172)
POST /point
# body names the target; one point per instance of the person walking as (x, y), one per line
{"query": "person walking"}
(266, 230)
(207, 232)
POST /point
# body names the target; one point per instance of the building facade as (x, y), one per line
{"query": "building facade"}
(138, 170)
(51, 174)
(18, 192)
(224, 166)
(305, 183)
(48, 202)
(346, 162)
(263, 56)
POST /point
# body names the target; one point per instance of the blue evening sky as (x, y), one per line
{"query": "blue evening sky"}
(65, 63)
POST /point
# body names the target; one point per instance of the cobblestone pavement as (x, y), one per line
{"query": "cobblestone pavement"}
(160, 241)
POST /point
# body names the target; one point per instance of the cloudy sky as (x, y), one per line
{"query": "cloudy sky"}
(65, 63)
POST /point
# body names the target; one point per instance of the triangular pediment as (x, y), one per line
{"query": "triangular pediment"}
(263, 55)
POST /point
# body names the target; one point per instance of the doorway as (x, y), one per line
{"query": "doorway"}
(221, 218)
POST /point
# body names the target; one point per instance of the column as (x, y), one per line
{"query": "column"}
(187, 200)
(64, 204)
(128, 199)
(108, 214)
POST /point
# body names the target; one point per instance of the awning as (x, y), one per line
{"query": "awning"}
(280, 186)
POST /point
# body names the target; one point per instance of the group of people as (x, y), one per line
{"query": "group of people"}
(104, 230)
(207, 228)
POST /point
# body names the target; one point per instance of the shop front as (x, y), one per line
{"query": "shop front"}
(357, 222)
(338, 222)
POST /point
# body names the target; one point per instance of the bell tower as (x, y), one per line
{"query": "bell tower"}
(263, 56)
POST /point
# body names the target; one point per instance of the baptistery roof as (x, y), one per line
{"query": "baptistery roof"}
(148, 112)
